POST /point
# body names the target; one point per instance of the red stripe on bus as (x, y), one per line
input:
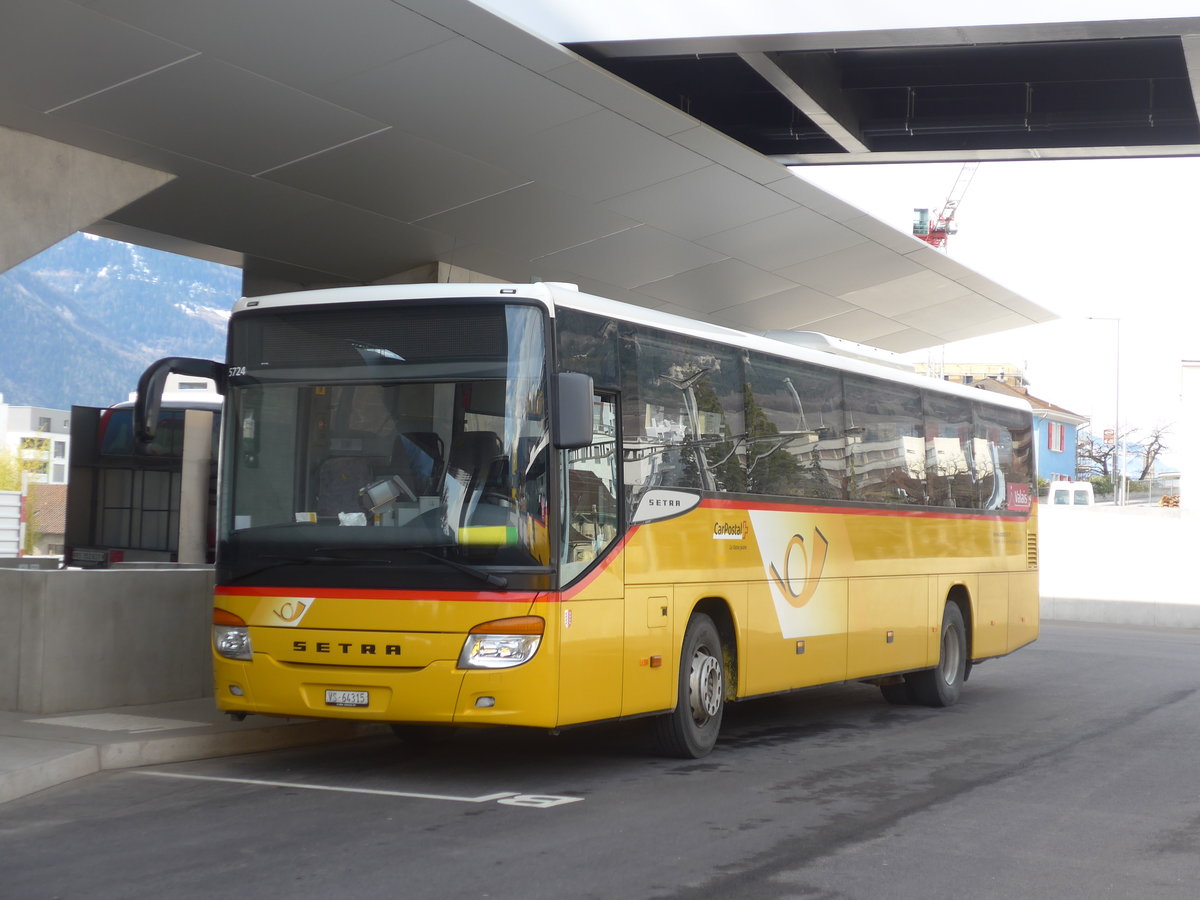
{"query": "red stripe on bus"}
(365, 594)
(616, 550)
(850, 511)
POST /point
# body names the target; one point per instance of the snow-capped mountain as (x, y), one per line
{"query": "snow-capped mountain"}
(80, 321)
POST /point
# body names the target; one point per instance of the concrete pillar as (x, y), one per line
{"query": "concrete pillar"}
(52, 190)
(194, 484)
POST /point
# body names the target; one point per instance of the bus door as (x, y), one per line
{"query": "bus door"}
(591, 618)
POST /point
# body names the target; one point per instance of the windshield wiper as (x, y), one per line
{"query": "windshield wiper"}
(474, 571)
(313, 561)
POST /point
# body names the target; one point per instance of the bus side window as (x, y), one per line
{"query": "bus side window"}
(683, 413)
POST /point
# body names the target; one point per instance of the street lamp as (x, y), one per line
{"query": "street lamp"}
(1119, 455)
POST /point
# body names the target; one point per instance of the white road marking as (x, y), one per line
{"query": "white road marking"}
(508, 798)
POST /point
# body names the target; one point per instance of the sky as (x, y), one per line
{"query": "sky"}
(1110, 239)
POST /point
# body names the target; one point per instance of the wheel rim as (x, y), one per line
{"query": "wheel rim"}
(706, 686)
(951, 655)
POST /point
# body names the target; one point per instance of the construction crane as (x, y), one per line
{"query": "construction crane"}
(936, 229)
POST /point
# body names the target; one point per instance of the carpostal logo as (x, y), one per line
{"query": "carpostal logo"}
(291, 611)
(731, 531)
(800, 558)
(803, 566)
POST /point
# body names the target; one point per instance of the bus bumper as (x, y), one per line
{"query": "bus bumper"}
(436, 694)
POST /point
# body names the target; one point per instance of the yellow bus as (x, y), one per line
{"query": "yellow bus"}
(492, 504)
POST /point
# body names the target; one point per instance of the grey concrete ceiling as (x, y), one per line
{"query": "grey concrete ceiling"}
(320, 143)
(1061, 90)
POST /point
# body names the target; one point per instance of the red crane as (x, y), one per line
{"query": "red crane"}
(936, 229)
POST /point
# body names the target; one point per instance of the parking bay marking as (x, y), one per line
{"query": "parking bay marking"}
(507, 798)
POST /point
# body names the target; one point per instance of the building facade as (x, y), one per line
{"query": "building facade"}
(39, 439)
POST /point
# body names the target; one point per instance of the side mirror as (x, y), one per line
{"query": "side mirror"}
(573, 411)
(150, 389)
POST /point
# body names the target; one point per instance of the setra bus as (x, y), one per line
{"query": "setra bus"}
(496, 504)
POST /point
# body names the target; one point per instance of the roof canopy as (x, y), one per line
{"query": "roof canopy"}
(362, 139)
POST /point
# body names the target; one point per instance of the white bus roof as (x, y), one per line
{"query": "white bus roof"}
(553, 294)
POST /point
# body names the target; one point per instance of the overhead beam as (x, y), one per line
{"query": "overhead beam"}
(810, 83)
(1014, 154)
(53, 190)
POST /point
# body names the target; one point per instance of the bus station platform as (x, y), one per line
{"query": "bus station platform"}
(41, 751)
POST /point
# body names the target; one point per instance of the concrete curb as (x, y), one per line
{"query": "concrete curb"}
(31, 764)
(28, 766)
(156, 751)
(1121, 612)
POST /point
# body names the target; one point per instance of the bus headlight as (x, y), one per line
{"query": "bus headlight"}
(502, 643)
(231, 636)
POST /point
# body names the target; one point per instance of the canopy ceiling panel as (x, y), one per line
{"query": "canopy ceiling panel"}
(351, 142)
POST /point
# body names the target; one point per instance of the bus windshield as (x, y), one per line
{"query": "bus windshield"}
(397, 438)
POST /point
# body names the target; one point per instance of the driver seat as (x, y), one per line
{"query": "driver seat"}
(473, 455)
(339, 480)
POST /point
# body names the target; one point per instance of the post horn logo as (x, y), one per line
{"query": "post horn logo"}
(291, 611)
(800, 587)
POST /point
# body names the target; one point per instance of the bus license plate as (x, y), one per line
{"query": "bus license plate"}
(347, 698)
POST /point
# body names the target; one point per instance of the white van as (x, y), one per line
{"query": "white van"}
(1070, 493)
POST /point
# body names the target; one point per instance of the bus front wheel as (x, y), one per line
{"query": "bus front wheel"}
(942, 685)
(690, 732)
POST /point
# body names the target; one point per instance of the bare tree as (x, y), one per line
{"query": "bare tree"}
(1096, 458)
(1151, 448)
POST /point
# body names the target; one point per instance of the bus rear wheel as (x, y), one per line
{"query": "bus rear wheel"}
(942, 685)
(690, 732)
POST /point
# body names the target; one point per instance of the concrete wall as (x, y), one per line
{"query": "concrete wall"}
(1132, 565)
(74, 640)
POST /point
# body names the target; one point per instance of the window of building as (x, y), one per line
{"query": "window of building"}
(1056, 437)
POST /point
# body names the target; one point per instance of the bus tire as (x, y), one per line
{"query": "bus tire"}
(690, 732)
(942, 685)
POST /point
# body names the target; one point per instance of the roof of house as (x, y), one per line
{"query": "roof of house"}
(1050, 410)
(47, 510)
